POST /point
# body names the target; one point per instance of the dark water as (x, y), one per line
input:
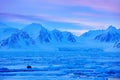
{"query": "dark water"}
(60, 66)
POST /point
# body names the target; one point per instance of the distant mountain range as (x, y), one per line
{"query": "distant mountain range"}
(111, 34)
(31, 35)
(35, 34)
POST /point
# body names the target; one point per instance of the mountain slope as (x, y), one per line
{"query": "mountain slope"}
(90, 35)
(42, 35)
(38, 33)
(59, 36)
(69, 37)
(110, 35)
(17, 40)
(6, 31)
(56, 35)
(35, 35)
(33, 29)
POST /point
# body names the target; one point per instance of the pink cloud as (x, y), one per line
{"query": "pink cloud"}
(96, 15)
(105, 5)
(23, 5)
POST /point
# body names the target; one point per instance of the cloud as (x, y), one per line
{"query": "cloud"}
(67, 14)
(49, 18)
(74, 25)
(103, 5)
(77, 21)
(36, 5)
(20, 18)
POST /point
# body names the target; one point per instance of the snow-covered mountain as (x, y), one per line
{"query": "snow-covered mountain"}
(68, 36)
(36, 36)
(42, 35)
(58, 36)
(55, 36)
(90, 35)
(33, 29)
(17, 40)
(38, 32)
(110, 35)
(6, 31)
(31, 34)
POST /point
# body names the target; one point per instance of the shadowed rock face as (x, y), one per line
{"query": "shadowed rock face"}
(117, 44)
(57, 35)
(71, 38)
(44, 36)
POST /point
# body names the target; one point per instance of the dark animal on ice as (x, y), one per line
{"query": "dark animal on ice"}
(29, 67)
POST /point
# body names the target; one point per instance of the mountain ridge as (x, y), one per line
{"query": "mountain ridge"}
(41, 36)
(111, 34)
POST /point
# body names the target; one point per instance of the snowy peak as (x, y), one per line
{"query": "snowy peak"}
(34, 29)
(42, 35)
(110, 35)
(111, 28)
(56, 31)
(38, 32)
(34, 26)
